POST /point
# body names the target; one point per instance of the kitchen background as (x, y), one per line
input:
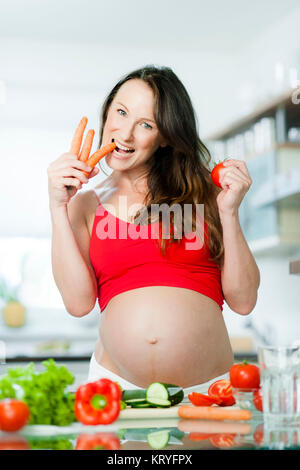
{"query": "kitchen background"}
(240, 62)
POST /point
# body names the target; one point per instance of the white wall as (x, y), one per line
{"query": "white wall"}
(269, 64)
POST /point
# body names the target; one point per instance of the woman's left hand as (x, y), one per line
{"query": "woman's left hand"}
(235, 181)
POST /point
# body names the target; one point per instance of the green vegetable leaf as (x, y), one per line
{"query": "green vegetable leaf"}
(44, 392)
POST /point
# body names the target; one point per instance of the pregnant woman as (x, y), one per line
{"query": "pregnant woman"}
(160, 297)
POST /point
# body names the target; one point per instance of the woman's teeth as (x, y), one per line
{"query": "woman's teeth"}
(120, 148)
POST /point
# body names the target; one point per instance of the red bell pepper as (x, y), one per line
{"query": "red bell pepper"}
(98, 402)
(98, 441)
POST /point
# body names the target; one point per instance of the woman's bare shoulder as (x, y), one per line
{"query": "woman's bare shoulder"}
(85, 201)
(90, 198)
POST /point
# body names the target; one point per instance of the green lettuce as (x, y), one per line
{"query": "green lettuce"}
(44, 392)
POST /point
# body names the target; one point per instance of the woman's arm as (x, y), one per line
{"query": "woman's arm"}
(239, 274)
(71, 267)
(72, 270)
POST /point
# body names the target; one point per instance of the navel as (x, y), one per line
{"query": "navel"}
(153, 340)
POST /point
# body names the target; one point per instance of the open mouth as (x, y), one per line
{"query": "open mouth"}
(121, 150)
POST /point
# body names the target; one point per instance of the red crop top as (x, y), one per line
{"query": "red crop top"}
(122, 263)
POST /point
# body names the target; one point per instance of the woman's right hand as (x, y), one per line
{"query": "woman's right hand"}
(65, 174)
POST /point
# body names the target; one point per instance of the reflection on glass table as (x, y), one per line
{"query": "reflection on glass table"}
(169, 434)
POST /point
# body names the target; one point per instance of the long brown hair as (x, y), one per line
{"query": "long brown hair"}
(178, 173)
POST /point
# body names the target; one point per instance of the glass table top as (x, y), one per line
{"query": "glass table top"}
(156, 434)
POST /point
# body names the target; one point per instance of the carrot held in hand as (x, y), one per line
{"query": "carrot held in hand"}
(77, 138)
(214, 413)
(88, 142)
(94, 159)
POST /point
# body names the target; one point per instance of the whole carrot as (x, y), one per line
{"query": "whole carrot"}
(87, 145)
(214, 413)
(94, 159)
(78, 134)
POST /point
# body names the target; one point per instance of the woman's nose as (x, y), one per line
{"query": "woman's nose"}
(127, 131)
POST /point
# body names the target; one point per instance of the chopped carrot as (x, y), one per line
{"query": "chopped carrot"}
(94, 159)
(77, 138)
(213, 412)
(88, 142)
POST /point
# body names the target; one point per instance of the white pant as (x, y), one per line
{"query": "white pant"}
(96, 371)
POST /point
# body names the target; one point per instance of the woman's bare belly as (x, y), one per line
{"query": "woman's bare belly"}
(165, 334)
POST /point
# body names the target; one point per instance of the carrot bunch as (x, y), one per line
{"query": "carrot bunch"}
(84, 153)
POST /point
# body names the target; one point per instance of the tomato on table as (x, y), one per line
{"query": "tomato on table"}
(14, 414)
(221, 392)
(244, 375)
(199, 399)
(257, 399)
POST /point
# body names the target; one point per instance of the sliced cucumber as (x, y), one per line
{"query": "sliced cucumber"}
(176, 394)
(158, 440)
(141, 405)
(164, 391)
(157, 390)
(136, 400)
(159, 402)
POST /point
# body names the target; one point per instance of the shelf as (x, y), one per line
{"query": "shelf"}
(265, 110)
(281, 187)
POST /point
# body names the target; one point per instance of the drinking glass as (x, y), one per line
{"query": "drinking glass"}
(280, 383)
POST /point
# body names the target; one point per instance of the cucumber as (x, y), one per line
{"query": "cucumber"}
(134, 401)
(141, 405)
(176, 394)
(159, 402)
(157, 390)
(136, 394)
(163, 391)
(158, 439)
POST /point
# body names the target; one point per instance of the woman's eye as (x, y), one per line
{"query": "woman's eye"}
(122, 112)
(147, 126)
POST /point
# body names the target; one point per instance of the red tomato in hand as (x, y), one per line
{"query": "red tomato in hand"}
(257, 399)
(244, 375)
(221, 392)
(199, 399)
(215, 174)
(14, 414)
